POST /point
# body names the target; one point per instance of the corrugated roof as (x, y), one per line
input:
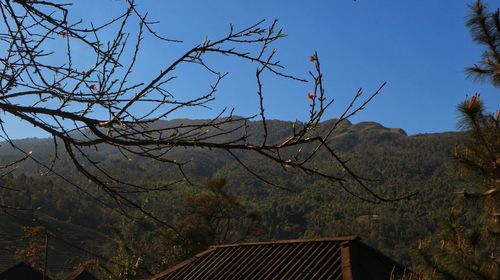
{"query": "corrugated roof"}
(321, 258)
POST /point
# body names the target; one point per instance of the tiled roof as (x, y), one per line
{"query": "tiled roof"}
(323, 258)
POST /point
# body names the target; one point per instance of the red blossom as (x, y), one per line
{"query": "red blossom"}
(310, 95)
(312, 58)
(64, 34)
(93, 87)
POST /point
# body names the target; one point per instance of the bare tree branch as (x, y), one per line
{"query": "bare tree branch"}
(86, 106)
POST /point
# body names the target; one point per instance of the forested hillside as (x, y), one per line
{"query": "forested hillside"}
(86, 229)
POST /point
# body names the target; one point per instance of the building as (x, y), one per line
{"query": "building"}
(22, 271)
(345, 258)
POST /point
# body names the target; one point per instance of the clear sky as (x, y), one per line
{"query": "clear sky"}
(419, 47)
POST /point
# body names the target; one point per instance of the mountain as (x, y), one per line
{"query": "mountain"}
(400, 164)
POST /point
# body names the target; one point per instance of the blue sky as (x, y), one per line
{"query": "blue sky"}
(419, 47)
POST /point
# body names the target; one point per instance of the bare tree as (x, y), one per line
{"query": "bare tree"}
(88, 106)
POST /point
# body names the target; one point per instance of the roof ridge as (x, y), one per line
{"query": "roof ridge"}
(291, 241)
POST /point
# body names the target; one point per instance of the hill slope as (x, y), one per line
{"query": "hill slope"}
(401, 164)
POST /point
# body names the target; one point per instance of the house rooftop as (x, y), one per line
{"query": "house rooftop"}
(320, 258)
(22, 271)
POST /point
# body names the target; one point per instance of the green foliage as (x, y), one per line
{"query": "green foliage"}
(481, 151)
(466, 245)
(400, 164)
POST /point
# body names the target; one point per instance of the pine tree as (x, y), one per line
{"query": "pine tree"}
(467, 246)
(485, 30)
